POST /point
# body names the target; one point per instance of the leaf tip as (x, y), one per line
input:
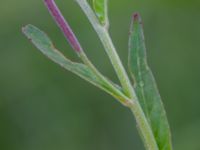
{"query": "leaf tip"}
(26, 27)
(23, 29)
(136, 17)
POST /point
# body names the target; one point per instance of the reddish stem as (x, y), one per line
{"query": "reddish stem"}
(63, 25)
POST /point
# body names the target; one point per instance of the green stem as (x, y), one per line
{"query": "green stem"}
(143, 125)
(111, 88)
(109, 47)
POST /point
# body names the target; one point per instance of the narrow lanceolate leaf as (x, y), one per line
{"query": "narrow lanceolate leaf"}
(145, 86)
(44, 44)
(100, 8)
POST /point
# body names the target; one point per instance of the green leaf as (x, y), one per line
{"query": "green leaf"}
(44, 44)
(100, 8)
(145, 86)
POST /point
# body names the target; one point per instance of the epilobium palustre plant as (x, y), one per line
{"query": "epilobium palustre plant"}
(141, 97)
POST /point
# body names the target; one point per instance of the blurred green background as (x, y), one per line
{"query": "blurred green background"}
(43, 107)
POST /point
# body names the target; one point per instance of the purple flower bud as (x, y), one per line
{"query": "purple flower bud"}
(63, 25)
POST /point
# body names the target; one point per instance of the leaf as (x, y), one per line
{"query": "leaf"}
(100, 8)
(44, 44)
(145, 86)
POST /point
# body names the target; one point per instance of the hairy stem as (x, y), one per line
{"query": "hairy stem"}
(143, 125)
(109, 47)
